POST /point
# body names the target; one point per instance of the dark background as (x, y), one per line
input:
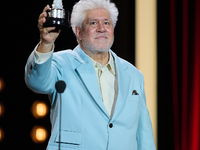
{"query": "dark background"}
(19, 36)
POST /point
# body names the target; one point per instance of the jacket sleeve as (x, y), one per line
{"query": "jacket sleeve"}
(41, 77)
(145, 136)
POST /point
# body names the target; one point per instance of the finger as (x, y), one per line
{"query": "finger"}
(41, 22)
(42, 18)
(46, 8)
(47, 30)
(56, 31)
(43, 14)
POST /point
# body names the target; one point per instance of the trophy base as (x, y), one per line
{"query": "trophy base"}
(59, 23)
(57, 18)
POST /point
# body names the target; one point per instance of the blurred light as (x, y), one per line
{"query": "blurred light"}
(1, 134)
(39, 109)
(2, 109)
(39, 134)
(2, 84)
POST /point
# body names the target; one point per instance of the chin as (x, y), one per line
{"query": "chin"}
(94, 48)
(104, 48)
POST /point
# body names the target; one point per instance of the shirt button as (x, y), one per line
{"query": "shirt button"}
(110, 125)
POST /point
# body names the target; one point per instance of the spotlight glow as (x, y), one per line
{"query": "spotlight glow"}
(39, 134)
(1, 134)
(39, 109)
(2, 84)
(2, 109)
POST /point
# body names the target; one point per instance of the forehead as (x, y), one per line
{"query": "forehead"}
(100, 14)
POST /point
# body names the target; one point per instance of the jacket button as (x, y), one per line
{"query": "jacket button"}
(110, 125)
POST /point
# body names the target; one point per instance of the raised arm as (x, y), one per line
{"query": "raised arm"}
(40, 76)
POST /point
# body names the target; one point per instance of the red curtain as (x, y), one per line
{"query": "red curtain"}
(185, 58)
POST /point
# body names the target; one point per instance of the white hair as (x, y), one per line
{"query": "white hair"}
(81, 7)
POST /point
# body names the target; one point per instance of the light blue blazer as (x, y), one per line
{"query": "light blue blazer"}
(86, 124)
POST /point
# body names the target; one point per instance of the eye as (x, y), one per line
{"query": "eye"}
(107, 23)
(93, 23)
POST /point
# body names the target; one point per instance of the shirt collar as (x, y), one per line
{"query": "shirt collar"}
(110, 65)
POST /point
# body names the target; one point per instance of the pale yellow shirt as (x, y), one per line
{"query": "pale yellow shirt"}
(42, 57)
(105, 75)
(106, 78)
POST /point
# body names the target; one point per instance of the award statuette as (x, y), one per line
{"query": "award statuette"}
(57, 17)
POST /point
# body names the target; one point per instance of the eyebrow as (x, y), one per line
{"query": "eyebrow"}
(89, 20)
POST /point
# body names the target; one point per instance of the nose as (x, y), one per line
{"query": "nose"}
(101, 27)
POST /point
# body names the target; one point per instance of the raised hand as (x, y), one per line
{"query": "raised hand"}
(48, 35)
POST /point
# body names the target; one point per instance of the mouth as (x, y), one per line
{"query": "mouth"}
(101, 37)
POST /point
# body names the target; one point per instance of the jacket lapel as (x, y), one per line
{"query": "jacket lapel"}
(123, 85)
(86, 73)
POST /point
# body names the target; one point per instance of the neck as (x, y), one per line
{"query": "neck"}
(103, 59)
(100, 57)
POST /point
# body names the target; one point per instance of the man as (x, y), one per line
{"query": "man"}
(104, 104)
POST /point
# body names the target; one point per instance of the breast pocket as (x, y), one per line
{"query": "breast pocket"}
(134, 98)
(131, 110)
(133, 104)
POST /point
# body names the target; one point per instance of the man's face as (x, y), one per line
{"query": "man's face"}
(97, 33)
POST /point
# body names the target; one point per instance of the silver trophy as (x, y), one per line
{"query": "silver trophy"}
(57, 16)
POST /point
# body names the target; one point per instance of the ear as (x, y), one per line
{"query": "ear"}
(78, 33)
